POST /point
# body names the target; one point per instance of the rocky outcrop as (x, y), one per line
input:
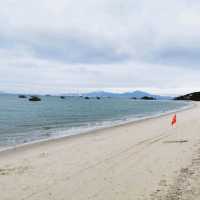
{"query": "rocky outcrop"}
(34, 98)
(192, 97)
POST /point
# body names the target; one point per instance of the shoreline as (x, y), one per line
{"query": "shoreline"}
(130, 121)
(148, 159)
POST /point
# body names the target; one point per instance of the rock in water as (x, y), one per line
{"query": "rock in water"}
(22, 96)
(34, 98)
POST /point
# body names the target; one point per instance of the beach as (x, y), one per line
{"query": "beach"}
(148, 159)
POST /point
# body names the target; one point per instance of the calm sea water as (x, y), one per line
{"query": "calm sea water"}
(22, 121)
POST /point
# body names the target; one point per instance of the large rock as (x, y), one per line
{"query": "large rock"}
(34, 98)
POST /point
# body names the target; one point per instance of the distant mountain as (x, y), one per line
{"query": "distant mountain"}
(195, 96)
(136, 94)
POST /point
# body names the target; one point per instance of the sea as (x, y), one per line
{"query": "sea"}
(23, 121)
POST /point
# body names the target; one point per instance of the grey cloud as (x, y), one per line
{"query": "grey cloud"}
(67, 49)
(99, 43)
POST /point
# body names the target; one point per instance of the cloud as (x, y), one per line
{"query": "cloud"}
(60, 45)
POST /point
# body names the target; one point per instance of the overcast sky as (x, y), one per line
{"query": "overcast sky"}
(59, 46)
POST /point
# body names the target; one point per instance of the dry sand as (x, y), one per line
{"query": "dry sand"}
(136, 161)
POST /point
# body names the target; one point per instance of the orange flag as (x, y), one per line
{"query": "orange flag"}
(173, 120)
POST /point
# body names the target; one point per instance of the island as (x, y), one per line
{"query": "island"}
(148, 98)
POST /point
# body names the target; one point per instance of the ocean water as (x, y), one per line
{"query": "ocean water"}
(22, 121)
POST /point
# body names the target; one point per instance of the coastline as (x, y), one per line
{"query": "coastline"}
(146, 160)
(94, 130)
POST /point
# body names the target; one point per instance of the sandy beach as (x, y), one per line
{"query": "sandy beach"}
(137, 161)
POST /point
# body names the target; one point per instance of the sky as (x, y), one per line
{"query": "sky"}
(66, 46)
